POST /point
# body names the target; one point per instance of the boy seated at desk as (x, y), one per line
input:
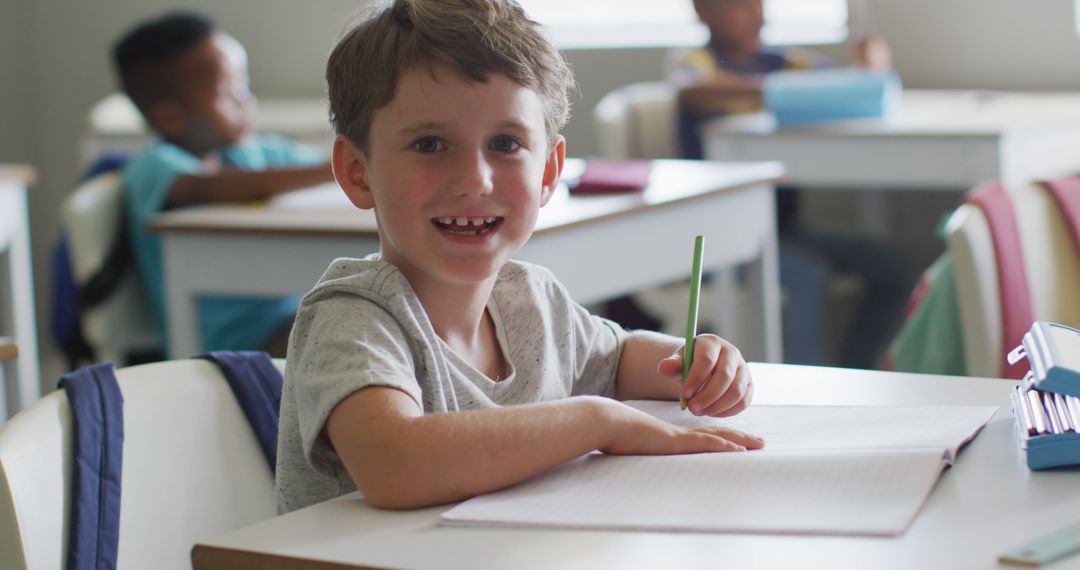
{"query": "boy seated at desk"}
(725, 76)
(190, 82)
(441, 368)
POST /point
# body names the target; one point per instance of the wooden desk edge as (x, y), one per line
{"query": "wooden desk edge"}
(206, 557)
(26, 175)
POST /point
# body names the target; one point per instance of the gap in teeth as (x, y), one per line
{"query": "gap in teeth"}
(464, 221)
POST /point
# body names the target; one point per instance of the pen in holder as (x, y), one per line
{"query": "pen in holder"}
(1046, 403)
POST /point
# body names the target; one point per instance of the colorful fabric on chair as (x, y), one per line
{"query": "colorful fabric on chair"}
(98, 411)
(931, 340)
(256, 384)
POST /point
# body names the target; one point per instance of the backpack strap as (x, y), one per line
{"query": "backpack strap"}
(98, 411)
(1016, 312)
(256, 384)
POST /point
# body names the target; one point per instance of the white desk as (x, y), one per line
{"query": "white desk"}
(935, 140)
(17, 291)
(599, 246)
(987, 502)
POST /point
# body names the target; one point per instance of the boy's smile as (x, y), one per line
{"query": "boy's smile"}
(456, 171)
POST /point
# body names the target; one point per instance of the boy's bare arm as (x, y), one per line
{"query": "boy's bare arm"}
(401, 458)
(240, 185)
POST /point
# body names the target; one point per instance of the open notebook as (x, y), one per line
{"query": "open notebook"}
(860, 470)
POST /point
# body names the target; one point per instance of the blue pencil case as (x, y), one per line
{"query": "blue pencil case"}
(810, 96)
(1046, 404)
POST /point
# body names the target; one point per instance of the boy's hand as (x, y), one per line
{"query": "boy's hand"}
(873, 53)
(719, 382)
(641, 434)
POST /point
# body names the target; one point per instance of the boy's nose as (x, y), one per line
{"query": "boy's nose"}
(473, 176)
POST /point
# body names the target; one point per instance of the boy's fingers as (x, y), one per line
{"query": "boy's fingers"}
(736, 398)
(671, 366)
(747, 440)
(705, 353)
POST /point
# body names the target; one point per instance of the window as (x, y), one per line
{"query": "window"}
(577, 24)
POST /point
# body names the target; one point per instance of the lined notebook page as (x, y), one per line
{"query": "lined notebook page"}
(835, 492)
(804, 428)
(816, 476)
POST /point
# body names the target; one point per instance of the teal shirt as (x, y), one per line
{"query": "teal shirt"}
(225, 322)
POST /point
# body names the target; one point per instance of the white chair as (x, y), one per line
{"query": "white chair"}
(122, 324)
(192, 470)
(1051, 263)
(638, 121)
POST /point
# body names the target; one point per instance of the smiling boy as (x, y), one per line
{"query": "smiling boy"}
(442, 368)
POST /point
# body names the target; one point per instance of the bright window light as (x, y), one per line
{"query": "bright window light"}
(577, 24)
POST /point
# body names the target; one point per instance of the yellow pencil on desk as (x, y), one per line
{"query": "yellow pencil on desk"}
(691, 318)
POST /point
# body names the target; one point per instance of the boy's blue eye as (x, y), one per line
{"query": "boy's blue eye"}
(427, 145)
(504, 144)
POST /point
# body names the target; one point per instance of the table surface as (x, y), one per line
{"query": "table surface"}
(987, 502)
(936, 139)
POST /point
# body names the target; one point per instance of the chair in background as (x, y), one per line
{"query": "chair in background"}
(193, 469)
(1050, 262)
(114, 311)
(638, 121)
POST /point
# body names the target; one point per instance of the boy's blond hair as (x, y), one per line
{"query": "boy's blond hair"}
(475, 38)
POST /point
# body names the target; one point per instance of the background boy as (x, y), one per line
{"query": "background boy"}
(440, 368)
(725, 76)
(190, 82)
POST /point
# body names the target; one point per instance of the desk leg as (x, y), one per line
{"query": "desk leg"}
(19, 299)
(180, 307)
(875, 213)
(762, 322)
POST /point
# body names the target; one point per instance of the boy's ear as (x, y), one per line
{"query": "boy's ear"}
(350, 170)
(553, 169)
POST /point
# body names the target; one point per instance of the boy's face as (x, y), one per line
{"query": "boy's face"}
(215, 109)
(734, 23)
(456, 172)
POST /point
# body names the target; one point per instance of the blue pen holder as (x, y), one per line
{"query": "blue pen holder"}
(811, 96)
(1046, 403)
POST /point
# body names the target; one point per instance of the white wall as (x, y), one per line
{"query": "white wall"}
(54, 66)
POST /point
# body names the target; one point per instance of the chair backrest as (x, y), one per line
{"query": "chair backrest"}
(193, 469)
(638, 121)
(1051, 262)
(123, 322)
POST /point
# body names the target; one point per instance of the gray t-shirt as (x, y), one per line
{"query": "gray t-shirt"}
(362, 325)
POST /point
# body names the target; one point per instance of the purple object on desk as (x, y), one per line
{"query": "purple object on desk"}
(605, 176)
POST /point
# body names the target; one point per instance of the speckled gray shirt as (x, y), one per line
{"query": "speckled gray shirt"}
(362, 325)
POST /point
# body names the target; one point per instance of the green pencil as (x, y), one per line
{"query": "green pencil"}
(691, 317)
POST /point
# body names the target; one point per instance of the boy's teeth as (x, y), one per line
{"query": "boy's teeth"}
(464, 221)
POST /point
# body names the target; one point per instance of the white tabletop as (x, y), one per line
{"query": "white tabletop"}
(935, 139)
(987, 502)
